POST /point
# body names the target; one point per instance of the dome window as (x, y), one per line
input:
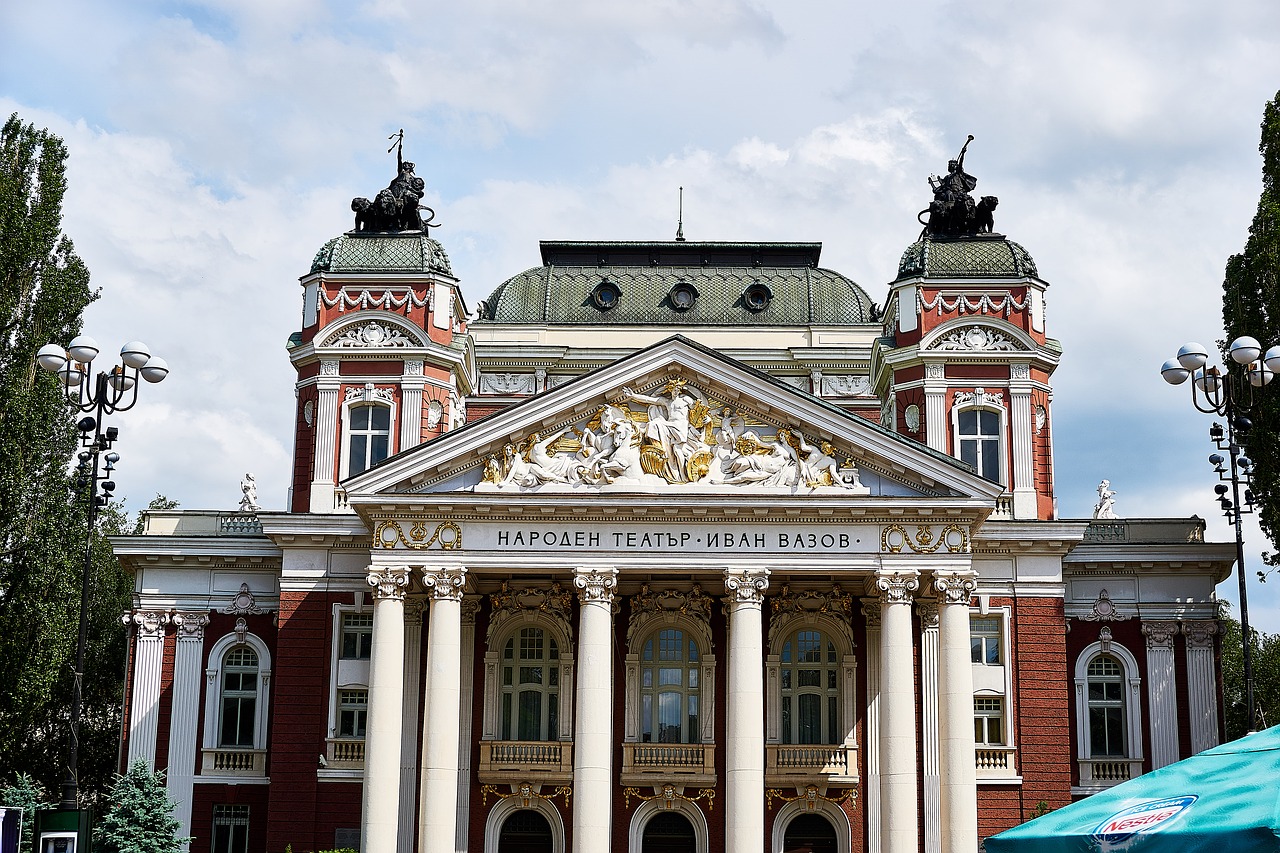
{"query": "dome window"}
(605, 295)
(757, 296)
(682, 296)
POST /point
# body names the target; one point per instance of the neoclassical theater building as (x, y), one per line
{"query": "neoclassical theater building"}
(668, 546)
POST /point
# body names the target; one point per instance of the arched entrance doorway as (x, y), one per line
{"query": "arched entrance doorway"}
(669, 832)
(525, 831)
(810, 833)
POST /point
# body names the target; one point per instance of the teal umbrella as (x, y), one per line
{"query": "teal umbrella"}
(1224, 800)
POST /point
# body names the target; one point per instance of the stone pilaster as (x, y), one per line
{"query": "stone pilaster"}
(1023, 456)
(188, 658)
(593, 742)
(1162, 692)
(380, 825)
(935, 407)
(444, 673)
(323, 480)
(148, 661)
(899, 808)
(744, 740)
(411, 386)
(1202, 683)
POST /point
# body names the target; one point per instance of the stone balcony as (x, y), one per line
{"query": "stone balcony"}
(525, 761)
(344, 753)
(227, 761)
(1099, 773)
(810, 764)
(678, 763)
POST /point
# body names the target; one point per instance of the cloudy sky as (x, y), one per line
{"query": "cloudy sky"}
(215, 146)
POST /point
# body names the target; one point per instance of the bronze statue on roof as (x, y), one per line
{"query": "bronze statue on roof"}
(953, 212)
(396, 208)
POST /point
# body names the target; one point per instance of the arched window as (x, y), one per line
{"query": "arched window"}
(1106, 707)
(1108, 715)
(368, 436)
(979, 435)
(238, 712)
(669, 832)
(530, 694)
(809, 679)
(810, 833)
(525, 831)
(669, 688)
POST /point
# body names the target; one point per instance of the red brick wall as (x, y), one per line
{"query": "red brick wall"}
(205, 797)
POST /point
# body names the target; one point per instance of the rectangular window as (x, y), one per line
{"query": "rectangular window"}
(984, 641)
(353, 712)
(357, 636)
(230, 829)
(988, 721)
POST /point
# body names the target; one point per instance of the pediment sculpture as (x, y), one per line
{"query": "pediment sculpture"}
(675, 436)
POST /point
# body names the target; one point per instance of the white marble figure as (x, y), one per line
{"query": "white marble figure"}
(248, 494)
(547, 467)
(1105, 508)
(669, 426)
(779, 467)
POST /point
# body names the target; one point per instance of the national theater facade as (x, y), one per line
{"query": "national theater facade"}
(669, 546)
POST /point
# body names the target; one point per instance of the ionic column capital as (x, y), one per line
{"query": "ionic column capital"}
(445, 584)
(150, 623)
(388, 581)
(1200, 634)
(190, 625)
(746, 586)
(596, 586)
(897, 586)
(955, 586)
(1159, 634)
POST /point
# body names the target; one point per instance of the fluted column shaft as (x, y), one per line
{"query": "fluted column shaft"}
(148, 660)
(959, 795)
(183, 729)
(1202, 680)
(1162, 692)
(744, 741)
(593, 724)
(444, 653)
(899, 808)
(379, 826)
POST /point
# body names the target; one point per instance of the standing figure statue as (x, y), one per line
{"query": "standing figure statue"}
(249, 494)
(670, 426)
(953, 212)
(1105, 508)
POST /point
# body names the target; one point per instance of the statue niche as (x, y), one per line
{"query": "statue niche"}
(953, 212)
(397, 207)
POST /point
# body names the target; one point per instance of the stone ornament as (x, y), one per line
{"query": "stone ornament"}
(596, 586)
(445, 584)
(388, 582)
(746, 586)
(371, 334)
(553, 601)
(809, 799)
(975, 339)
(911, 417)
(328, 367)
(934, 370)
(682, 437)
(1105, 610)
(241, 630)
(435, 411)
(243, 603)
(150, 623)
(1160, 634)
(508, 383)
(364, 299)
(980, 397)
(525, 792)
(955, 587)
(309, 412)
(1200, 634)
(978, 303)
(648, 606)
(369, 393)
(668, 794)
(1019, 371)
(190, 625)
(391, 534)
(897, 587)
(871, 612)
(928, 611)
(894, 538)
(1041, 417)
(845, 386)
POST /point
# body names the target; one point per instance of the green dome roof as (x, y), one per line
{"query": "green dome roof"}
(648, 279)
(982, 256)
(381, 252)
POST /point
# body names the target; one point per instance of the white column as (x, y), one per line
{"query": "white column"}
(326, 431)
(593, 741)
(1162, 692)
(411, 385)
(744, 740)
(1024, 486)
(1202, 684)
(959, 795)
(188, 658)
(899, 809)
(148, 661)
(927, 609)
(871, 612)
(409, 719)
(381, 815)
(935, 406)
(444, 650)
(466, 699)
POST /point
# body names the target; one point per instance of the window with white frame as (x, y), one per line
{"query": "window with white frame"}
(530, 689)
(368, 436)
(1106, 707)
(988, 721)
(230, 829)
(978, 436)
(984, 641)
(238, 712)
(357, 636)
(809, 676)
(669, 688)
(353, 713)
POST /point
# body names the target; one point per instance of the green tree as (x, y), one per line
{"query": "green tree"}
(1266, 677)
(1251, 306)
(44, 289)
(139, 816)
(25, 793)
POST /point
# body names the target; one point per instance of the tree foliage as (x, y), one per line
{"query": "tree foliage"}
(44, 289)
(1251, 306)
(139, 817)
(1266, 678)
(25, 793)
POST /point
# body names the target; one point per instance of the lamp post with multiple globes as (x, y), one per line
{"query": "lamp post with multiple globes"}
(1230, 393)
(94, 396)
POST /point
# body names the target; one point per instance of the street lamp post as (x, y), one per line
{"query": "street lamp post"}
(1230, 395)
(110, 391)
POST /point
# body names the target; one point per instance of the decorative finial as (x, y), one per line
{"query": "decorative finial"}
(953, 212)
(397, 207)
(680, 219)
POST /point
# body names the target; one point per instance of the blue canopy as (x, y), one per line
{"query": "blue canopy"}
(1224, 800)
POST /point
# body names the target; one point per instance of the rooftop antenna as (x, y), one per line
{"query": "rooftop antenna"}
(680, 219)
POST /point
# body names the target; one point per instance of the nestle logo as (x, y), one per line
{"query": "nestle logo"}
(1144, 817)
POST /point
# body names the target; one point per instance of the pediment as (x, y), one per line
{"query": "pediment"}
(679, 421)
